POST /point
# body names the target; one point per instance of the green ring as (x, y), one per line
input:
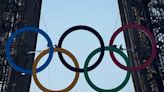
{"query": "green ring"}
(110, 48)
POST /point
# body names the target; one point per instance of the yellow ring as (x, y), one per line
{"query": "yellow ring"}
(35, 66)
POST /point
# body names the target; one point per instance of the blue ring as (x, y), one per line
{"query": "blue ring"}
(10, 59)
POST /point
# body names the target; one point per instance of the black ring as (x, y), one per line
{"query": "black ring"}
(87, 29)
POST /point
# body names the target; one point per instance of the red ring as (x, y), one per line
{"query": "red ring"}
(153, 45)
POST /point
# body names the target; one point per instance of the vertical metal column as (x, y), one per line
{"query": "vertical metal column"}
(149, 13)
(15, 14)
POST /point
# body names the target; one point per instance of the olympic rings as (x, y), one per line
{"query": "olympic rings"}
(11, 61)
(110, 48)
(153, 45)
(55, 50)
(86, 68)
(75, 28)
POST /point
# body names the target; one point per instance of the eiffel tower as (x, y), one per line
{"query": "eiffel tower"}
(15, 14)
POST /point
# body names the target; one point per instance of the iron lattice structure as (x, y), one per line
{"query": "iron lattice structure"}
(15, 14)
(149, 13)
